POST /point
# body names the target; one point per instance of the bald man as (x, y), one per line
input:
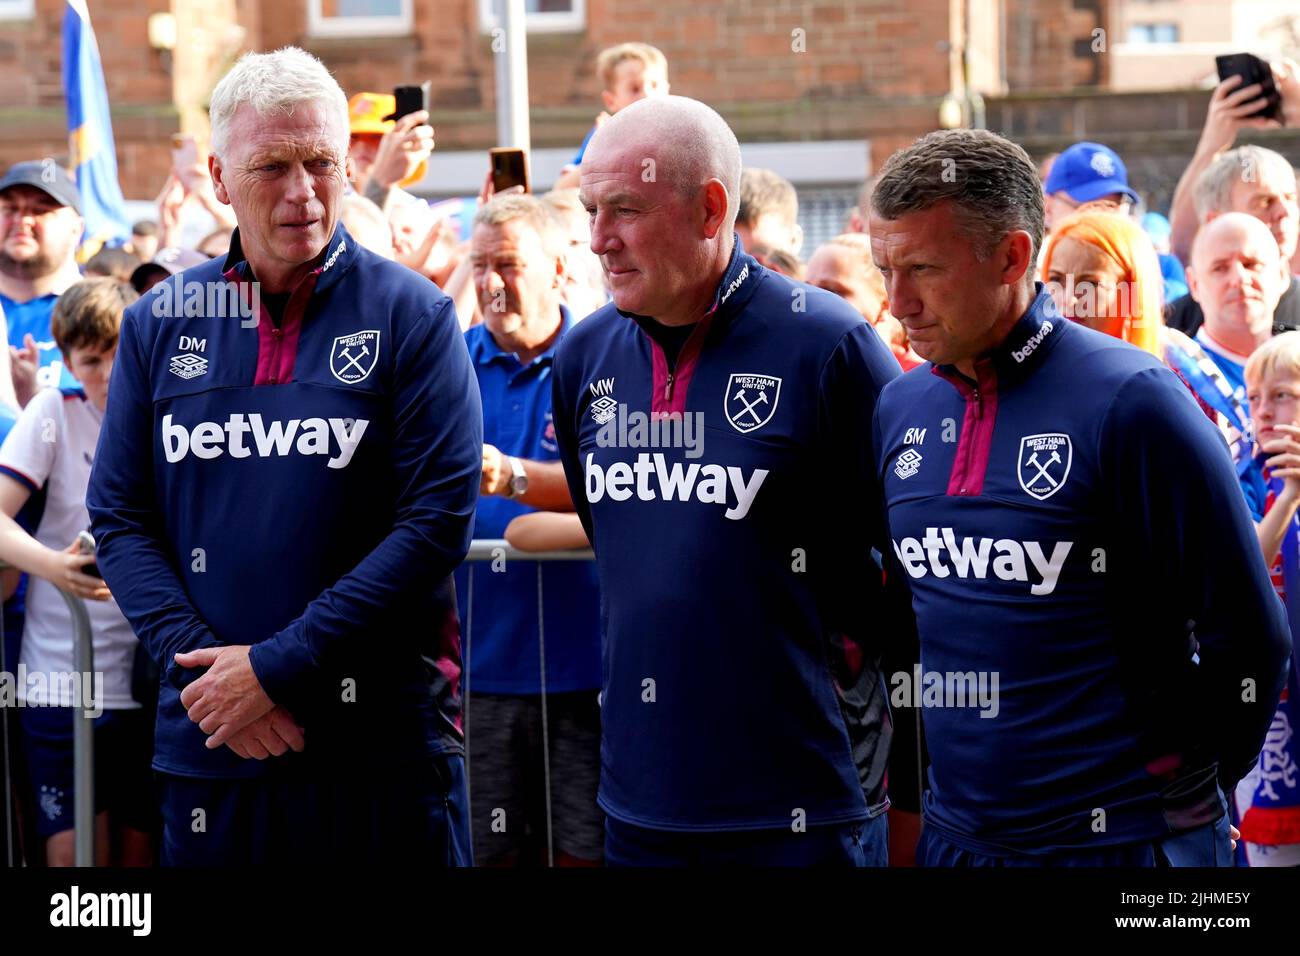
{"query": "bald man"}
(714, 424)
(1237, 276)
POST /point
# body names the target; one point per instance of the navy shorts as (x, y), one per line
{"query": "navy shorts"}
(862, 843)
(123, 754)
(1208, 845)
(410, 813)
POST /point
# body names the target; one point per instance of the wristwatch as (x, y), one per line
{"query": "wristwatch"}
(518, 482)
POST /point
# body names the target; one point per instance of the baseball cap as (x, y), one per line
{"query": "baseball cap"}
(366, 112)
(168, 261)
(49, 177)
(1088, 171)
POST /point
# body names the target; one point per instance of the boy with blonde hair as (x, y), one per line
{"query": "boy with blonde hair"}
(1267, 800)
(630, 72)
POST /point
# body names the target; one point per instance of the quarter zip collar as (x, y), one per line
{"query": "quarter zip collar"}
(737, 286)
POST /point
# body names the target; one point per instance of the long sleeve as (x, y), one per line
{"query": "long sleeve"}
(1210, 638)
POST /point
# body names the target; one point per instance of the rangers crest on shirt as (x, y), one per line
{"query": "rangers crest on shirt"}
(1044, 464)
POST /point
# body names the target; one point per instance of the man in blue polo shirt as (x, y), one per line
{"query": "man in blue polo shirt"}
(517, 251)
(40, 227)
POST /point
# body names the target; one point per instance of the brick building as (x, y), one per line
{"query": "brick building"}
(821, 90)
(868, 71)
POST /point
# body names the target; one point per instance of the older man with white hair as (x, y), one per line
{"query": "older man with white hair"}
(714, 424)
(289, 480)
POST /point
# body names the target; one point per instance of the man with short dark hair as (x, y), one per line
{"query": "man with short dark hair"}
(1075, 543)
(144, 240)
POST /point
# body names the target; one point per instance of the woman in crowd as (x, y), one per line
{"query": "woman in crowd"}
(1103, 272)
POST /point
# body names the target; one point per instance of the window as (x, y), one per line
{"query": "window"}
(17, 9)
(540, 16)
(336, 18)
(1153, 33)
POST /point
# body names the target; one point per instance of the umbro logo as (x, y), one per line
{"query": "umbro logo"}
(188, 365)
(908, 463)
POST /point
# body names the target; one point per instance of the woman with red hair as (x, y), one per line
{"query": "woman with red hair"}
(1103, 272)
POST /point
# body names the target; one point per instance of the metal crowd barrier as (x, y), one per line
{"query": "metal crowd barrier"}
(83, 740)
(493, 549)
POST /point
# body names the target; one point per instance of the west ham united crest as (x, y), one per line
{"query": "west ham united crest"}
(750, 400)
(353, 357)
(1044, 464)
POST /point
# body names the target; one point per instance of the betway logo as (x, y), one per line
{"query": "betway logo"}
(736, 283)
(970, 558)
(338, 250)
(650, 478)
(309, 436)
(1035, 340)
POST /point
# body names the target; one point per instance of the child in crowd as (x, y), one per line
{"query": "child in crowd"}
(630, 72)
(51, 448)
(1268, 799)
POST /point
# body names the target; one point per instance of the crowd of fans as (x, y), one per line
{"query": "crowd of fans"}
(1211, 291)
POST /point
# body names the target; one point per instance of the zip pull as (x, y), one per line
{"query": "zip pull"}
(668, 388)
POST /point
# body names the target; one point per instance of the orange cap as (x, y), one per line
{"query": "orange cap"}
(366, 112)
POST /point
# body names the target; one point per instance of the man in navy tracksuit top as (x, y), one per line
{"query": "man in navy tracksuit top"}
(1067, 522)
(743, 713)
(279, 503)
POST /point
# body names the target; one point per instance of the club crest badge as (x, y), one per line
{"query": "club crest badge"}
(750, 400)
(353, 357)
(1044, 464)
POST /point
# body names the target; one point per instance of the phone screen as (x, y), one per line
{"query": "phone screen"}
(409, 99)
(1252, 69)
(509, 168)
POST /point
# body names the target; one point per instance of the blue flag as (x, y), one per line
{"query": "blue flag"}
(90, 132)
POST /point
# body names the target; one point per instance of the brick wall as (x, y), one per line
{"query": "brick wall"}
(1050, 43)
(777, 69)
(142, 82)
